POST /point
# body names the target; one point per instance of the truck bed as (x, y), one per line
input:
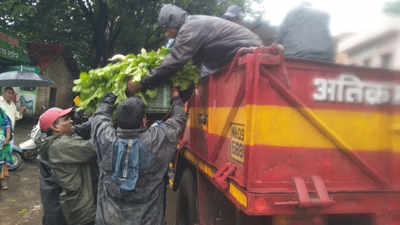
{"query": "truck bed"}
(293, 130)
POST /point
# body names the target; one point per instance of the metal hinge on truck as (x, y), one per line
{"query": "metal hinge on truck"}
(222, 174)
(304, 200)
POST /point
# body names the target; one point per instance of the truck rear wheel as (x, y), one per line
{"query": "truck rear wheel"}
(186, 212)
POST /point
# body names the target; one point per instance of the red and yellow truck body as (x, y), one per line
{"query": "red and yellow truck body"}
(298, 141)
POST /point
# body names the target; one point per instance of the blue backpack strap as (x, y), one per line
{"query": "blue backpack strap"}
(126, 167)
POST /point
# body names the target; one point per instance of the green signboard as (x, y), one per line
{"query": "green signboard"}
(11, 48)
(24, 68)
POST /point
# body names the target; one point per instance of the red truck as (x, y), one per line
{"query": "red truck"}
(282, 141)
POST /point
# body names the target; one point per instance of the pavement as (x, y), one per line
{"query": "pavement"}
(20, 205)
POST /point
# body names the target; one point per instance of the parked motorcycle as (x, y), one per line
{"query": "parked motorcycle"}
(17, 157)
(27, 150)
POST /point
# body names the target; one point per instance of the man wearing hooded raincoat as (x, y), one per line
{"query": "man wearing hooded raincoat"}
(210, 42)
(264, 31)
(305, 34)
(145, 204)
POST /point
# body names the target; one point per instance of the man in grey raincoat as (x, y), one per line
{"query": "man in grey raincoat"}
(210, 42)
(144, 205)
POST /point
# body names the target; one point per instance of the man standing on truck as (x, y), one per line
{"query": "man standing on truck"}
(305, 34)
(234, 13)
(133, 161)
(210, 42)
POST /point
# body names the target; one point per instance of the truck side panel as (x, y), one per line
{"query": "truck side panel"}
(276, 136)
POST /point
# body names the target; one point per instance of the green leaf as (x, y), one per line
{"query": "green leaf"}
(94, 84)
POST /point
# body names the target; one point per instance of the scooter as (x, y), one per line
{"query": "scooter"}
(27, 150)
(16, 153)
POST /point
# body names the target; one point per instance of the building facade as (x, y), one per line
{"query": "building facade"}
(56, 63)
(379, 49)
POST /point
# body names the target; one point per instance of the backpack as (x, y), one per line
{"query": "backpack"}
(125, 163)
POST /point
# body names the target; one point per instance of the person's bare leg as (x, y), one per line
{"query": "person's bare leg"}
(4, 175)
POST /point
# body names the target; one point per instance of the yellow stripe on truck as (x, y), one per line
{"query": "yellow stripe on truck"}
(238, 194)
(202, 166)
(285, 126)
(233, 190)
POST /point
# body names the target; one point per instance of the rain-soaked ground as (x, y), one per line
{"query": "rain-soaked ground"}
(20, 205)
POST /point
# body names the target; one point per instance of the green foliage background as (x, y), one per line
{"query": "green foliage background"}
(97, 29)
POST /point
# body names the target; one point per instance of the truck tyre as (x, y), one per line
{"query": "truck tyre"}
(186, 210)
(18, 161)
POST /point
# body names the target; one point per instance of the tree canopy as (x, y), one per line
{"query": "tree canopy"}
(97, 29)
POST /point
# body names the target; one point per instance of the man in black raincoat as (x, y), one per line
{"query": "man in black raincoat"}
(145, 204)
(210, 42)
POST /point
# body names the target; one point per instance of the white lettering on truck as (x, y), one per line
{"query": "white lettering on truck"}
(350, 89)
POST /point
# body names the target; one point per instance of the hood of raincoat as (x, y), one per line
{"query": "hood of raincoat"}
(172, 16)
(233, 12)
